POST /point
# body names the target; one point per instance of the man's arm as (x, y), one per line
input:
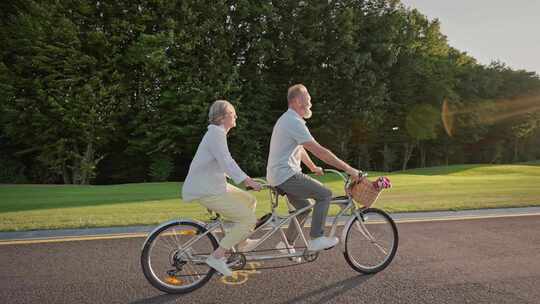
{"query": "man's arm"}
(309, 163)
(328, 157)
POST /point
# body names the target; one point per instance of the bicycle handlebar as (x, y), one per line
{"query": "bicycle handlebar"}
(264, 184)
(336, 172)
(342, 175)
(260, 181)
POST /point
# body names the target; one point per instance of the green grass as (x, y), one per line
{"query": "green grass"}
(459, 187)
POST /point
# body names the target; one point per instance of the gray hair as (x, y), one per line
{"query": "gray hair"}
(296, 91)
(218, 111)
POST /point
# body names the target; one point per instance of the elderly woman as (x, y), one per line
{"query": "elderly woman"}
(206, 181)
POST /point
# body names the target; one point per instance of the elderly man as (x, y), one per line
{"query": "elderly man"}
(290, 140)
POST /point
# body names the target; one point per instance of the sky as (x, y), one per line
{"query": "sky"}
(508, 31)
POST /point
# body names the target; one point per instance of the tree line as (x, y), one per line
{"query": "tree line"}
(118, 91)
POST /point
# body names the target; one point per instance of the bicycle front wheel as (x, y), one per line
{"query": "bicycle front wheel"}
(173, 257)
(371, 242)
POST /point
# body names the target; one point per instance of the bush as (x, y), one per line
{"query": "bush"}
(11, 171)
(161, 168)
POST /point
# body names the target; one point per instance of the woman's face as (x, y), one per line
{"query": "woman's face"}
(229, 120)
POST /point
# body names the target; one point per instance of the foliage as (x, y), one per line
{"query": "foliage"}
(161, 168)
(91, 90)
(11, 171)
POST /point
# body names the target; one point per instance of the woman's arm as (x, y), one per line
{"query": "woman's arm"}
(217, 145)
(220, 150)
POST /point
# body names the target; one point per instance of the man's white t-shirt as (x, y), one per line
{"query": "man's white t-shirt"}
(290, 132)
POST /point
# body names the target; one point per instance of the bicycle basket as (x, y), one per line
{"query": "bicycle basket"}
(365, 193)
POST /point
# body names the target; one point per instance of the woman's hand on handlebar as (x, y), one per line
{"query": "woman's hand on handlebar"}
(251, 184)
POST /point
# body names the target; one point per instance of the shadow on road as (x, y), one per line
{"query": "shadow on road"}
(161, 299)
(333, 290)
(329, 292)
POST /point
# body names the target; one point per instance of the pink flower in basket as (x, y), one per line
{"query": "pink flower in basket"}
(381, 183)
(366, 192)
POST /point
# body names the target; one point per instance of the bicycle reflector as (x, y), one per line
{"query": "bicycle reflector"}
(187, 232)
(174, 280)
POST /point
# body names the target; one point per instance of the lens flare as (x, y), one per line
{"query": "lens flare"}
(489, 112)
(506, 109)
(447, 118)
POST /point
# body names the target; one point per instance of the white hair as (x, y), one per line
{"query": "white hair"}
(218, 111)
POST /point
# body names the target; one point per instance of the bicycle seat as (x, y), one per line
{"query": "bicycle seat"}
(213, 215)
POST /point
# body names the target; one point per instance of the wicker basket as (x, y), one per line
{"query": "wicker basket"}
(365, 193)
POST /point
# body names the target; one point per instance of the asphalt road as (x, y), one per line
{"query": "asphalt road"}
(458, 261)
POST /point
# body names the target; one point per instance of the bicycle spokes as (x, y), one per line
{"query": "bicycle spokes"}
(371, 241)
(361, 227)
(174, 257)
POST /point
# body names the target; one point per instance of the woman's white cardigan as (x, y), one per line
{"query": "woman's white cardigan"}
(210, 167)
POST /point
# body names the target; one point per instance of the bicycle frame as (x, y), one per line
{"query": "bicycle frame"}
(278, 222)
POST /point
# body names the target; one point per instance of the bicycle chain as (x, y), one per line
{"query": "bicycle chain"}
(267, 267)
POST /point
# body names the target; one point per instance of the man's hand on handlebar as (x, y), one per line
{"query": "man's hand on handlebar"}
(251, 184)
(355, 174)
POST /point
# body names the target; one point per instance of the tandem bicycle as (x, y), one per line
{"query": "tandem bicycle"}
(173, 255)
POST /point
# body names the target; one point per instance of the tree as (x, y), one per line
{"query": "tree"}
(60, 90)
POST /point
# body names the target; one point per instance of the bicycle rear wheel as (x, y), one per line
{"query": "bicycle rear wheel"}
(371, 242)
(173, 257)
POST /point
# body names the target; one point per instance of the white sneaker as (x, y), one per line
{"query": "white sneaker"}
(219, 265)
(247, 245)
(322, 242)
(286, 249)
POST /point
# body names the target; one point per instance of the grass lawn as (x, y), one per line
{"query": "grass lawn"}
(458, 187)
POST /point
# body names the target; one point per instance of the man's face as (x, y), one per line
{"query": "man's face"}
(305, 105)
